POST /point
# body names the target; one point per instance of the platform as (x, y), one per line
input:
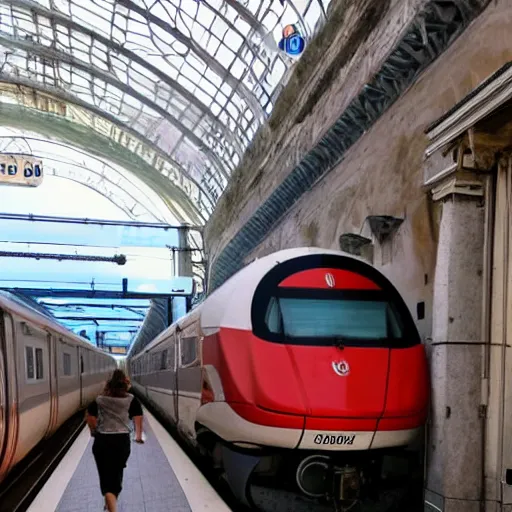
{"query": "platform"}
(159, 477)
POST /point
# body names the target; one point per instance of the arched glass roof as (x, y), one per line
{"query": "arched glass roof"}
(172, 90)
(112, 181)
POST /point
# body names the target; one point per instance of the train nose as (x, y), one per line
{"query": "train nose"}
(344, 383)
(322, 383)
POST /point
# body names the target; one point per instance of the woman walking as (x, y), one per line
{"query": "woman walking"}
(108, 418)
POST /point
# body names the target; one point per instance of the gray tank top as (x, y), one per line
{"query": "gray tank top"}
(113, 417)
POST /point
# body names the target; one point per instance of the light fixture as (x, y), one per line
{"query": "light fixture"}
(352, 243)
(383, 226)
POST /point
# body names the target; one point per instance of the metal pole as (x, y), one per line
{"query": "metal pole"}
(119, 259)
(98, 222)
(185, 267)
(184, 254)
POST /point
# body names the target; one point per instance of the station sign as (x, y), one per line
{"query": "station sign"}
(21, 170)
(118, 350)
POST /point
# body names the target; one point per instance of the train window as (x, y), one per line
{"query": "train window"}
(67, 363)
(163, 360)
(299, 303)
(29, 358)
(188, 350)
(34, 363)
(39, 364)
(326, 317)
(329, 318)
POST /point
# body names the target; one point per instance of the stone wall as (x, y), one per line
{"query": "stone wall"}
(349, 50)
(382, 173)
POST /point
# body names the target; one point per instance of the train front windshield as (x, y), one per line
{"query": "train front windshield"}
(327, 317)
(322, 300)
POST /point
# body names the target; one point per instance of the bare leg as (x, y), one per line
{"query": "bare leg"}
(111, 502)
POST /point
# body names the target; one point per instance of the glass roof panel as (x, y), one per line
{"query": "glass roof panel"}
(190, 80)
(112, 181)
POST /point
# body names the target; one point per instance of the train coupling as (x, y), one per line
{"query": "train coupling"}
(347, 486)
(319, 477)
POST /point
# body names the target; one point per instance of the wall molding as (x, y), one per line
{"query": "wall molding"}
(486, 98)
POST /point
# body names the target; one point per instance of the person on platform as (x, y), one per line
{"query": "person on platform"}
(83, 333)
(108, 418)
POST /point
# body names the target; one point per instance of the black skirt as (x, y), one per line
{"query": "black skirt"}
(111, 452)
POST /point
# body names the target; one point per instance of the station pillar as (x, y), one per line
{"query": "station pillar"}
(455, 434)
(181, 305)
(184, 253)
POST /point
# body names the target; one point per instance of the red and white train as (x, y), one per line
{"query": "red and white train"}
(306, 363)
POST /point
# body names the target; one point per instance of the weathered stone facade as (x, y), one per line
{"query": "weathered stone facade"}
(382, 174)
(286, 138)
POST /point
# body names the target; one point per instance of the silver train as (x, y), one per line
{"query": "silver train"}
(47, 374)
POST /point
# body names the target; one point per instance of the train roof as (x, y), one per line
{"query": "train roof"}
(230, 304)
(14, 304)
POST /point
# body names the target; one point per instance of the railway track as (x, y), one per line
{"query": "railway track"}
(24, 482)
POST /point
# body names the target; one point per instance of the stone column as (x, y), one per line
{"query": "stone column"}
(455, 434)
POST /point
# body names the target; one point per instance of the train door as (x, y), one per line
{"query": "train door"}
(3, 389)
(10, 393)
(81, 375)
(33, 346)
(174, 378)
(69, 379)
(54, 384)
(188, 380)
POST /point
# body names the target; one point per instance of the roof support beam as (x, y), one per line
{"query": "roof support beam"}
(186, 202)
(90, 294)
(121, 50)
(97, 222)
(45, 52)
(216, 66)
(63, 168)
(99, 318)
(91, 305)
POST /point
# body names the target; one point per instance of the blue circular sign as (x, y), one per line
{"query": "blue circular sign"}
(295, 44)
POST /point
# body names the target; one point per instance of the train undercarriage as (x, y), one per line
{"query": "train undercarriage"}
(297, 480)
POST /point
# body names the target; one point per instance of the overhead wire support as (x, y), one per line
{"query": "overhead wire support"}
(96, 222)
(119, 259)
(99, 318)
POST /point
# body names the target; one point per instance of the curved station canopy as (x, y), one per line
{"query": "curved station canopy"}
(172, 91)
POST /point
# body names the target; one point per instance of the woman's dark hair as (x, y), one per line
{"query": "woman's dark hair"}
(117, 386)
